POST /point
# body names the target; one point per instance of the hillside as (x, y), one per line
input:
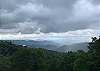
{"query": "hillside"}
(15, 57)
(73, 47)
(50, 45)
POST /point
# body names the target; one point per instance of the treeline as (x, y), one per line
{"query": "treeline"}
(22, 58)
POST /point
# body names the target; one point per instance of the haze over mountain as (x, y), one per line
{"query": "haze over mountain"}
(50, 45)
(64, 22)
(37, 44)
(73, 47)
(47, 34)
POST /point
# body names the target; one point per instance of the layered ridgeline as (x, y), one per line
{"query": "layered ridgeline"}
(50, 45)
(73, 47)
(37, 44)
(15, 57)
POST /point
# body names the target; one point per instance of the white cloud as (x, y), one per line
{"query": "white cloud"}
(65, 37)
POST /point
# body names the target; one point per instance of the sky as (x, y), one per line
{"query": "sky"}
(50, 17)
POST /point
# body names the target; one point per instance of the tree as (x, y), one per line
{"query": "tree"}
(24, 60)
(81, 63)
(5, 63)
(94, 55)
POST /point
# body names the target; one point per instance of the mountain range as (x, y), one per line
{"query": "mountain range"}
(73, 47)
(50, 45)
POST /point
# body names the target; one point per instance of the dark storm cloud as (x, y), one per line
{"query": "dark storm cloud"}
(48, 15)
(57, 3)
(96, 2)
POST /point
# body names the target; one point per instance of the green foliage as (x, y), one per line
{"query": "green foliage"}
(23, 60)
(19, 58)
(5, 63)
(94, 55)
(81, 63)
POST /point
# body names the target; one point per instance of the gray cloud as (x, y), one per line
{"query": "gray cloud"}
(27, 16)
(95, 2)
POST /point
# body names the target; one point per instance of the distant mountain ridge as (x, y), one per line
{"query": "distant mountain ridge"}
(74, 47)
(37, 44)
(50, 45)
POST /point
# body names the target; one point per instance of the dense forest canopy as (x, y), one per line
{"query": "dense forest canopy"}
(22, 58)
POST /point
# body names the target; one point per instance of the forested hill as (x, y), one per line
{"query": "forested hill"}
(15, 57)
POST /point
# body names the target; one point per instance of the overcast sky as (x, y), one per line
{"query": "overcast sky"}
(56, 16)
